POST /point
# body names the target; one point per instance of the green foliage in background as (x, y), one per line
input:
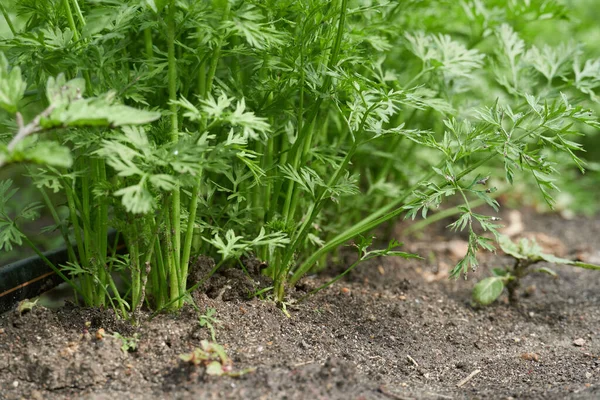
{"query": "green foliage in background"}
(282, 128)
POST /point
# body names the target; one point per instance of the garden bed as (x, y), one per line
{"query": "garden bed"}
(394, 329)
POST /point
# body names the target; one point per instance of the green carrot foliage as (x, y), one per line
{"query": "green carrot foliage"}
(280, 128)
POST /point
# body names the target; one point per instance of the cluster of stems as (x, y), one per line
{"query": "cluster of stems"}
(160, 244)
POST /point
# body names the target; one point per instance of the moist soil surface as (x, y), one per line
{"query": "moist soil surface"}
(392, 329)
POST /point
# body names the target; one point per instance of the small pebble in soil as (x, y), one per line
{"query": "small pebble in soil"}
(579, 342)
(15, 384)
(36, 395)
(530, 357)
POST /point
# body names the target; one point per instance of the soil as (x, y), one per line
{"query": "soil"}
(394, 329)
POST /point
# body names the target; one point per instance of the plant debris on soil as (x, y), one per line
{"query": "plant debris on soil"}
(394, 329)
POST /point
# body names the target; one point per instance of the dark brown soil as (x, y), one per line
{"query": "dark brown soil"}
(394, 329)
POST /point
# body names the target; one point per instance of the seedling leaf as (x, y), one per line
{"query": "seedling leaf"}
(488, 290)
(214, 368)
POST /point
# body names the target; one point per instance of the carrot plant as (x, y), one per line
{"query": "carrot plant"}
(526, 255)
(286, 128)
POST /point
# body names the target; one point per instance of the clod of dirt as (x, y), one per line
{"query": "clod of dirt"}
(579, 342)
(228, 284)
(93, 319)
(200, 270)
(530, 357)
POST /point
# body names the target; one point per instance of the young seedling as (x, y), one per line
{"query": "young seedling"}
(214, 358)
(128, 343)
(208, 320)
(26, 306)
(526, 253)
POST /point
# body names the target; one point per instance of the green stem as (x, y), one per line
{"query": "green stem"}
(78, 12)
(134, 259)
(148, 44)
(217, 53)
(175, 222)
(102, 225)
(189, 235)
(172, 71)
(268, 189)
(115, 291)
(81, 253)
(71, 20)
(111, 281)
(8, 21)
(161, 293)
(87, 234)
(418, 76)
(168, 253)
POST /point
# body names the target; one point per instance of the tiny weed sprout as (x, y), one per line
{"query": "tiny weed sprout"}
(128, 343)
(213, 357)
(25, 306)
(526, 254)
(278, 129)
(209, 321)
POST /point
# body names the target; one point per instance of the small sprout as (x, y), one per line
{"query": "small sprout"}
(208, 320)
(214, 358)
(525, 254)
(128, 344)
(26, 306)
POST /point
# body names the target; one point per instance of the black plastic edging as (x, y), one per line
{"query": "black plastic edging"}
(31, 277)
